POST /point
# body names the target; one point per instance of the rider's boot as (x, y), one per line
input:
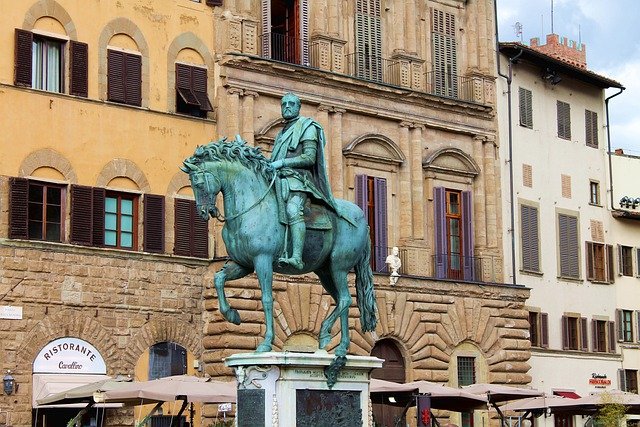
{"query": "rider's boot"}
(298, 230)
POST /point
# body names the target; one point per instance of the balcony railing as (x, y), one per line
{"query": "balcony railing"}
(418, 262)
(452, 86)
(281, 47)
(372, 68)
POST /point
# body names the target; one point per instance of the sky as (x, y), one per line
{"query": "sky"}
(611, 31)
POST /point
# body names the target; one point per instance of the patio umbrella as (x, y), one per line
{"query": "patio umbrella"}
(84, 393)
(169, 389)
(595, 401)
(540, 403)
(497, 393)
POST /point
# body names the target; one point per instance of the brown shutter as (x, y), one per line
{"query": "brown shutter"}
(200, 239)
(199, 87)
(568, 242)
(182, 227)
(637, 325)
(18, 208)
(23, 58)
(612, 336)
(544, 330)
(183, 84)
(133, 79)
(620, 322)
(608, 254)
(565, 332)
(81, 215)
(98, 216)
(79, 66)
(153, 223)
(529, 237)
(589, 254)
(594, 335)
(622, 380)
(526, 107)
(584, 343)
(115, 76)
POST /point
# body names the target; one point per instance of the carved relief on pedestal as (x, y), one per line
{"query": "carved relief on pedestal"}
(249, 37)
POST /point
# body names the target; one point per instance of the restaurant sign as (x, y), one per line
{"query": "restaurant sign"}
(599, 380)
(69, 355)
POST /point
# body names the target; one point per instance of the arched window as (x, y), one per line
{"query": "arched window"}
(167, 359)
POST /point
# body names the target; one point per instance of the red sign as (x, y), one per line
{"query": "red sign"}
(599, 381)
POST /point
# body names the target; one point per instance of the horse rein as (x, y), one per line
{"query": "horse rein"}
(221, 217)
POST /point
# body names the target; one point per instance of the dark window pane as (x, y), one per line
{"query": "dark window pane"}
(35, 193)
(35, 230)
(53, 213)
(35, 212)
(53, 232)
(53, 195)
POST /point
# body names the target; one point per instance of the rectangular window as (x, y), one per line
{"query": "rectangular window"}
(191, 91)
(191, 231)
(120, 220)
(561, 420)
(285, 30)
(568, 246)
(371, 196)
(539, 329)
(625, 260)
(628, 380)
(444, 81)
(572, 333)
(167, 359)
(47, 64)
(594, 193)
(124, 77)
(599, 259)
(466, 376)
(600, 330)
(367, 63)
(454, 254)
(591, 128)
(564, 120)
(526, 108)
(530, 241)
(36, 210)
(625, 325)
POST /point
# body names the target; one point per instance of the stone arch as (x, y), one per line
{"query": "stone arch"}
(163, 329)
(179, 180)
(184, 41)
(451, 161)
(47, 157)
(128, 27)
(267, 135)
(123, 168)
(53, 9)
(70, 323)
(377, 148)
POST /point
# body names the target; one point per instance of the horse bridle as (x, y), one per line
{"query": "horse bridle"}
(208, 176)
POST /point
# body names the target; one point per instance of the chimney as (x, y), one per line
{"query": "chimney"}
(619, 151)
(563, 49)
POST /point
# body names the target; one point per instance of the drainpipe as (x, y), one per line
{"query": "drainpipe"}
(606, 107)
(509, 78)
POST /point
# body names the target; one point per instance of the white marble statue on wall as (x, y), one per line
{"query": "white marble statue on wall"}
(393, 260)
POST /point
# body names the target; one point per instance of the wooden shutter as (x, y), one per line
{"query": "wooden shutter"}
(589, 255)
(115, 76)
(620, 322)
(368, 40)
(612, 336)
(608, 258)
(81, 215)
(79, 68)
(565, 332)
(622, 380)
(530, 238)
(23, 58)
(526, 107)
(380, 206)
(304, 31)
(564, 120)
(199, 87)
(584, 343)
(266, 28)
(440, 228)
(568, 244)
(133, 79)
(594, 335)
(18, 208)
(468, 249)
(98, 197)
(184, 84)
(591, 128)
(544, 330)
(361, 194)
(200, 239)
(154, 223)
(182, 226)
(637, 325)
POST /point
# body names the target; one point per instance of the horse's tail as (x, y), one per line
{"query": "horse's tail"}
(365, 294)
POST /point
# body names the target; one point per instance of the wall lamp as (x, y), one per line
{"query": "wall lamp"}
(551, 76)
(9, 384)
(629, 202)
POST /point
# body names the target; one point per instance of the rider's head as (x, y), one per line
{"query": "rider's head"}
(290, 106)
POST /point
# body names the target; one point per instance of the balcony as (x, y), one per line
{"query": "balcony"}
(281, 47)
(372, 68)
(457, 87)
(420, 263)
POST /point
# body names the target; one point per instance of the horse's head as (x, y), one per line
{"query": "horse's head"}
(205, 189)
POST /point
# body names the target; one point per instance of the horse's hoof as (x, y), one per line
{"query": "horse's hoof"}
(263, 348)
(233, 316)
(323, 341)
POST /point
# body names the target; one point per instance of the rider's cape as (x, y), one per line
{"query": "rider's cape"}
(314, 181)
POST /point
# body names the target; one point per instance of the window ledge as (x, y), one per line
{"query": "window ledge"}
(532, 273)
(597, 205)
(599, 282)
(570, 279)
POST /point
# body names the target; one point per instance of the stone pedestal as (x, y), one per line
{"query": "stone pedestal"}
(290, 389)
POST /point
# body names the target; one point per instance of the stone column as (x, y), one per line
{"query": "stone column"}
(333, 27)
(337, 168)
(318, 9)
(322, 116)
(410, 14)
(483, 47)
(406, 218)
(417, 190)
(479, 196)
(399, 26)
(491, 189)
(230, 125)
(248, 100)
(472, 35)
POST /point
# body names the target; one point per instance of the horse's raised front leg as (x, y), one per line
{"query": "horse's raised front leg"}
(230, 271)
(264, 270)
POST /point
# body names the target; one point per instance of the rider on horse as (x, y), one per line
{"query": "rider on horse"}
(298, 156)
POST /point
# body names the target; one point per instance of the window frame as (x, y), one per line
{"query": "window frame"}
(600, 335)
(568, 246)
(591, 128)
(574, 332)
(124, 79)
(371, 197)
(62, 47)
(119, 197)
(21, 205)
(179, 350)
(191, 232)
(525, 97)
(625, 260)
(530, 238)
(594, 193)
(539, 329)
(599, 262)
(192, 90)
